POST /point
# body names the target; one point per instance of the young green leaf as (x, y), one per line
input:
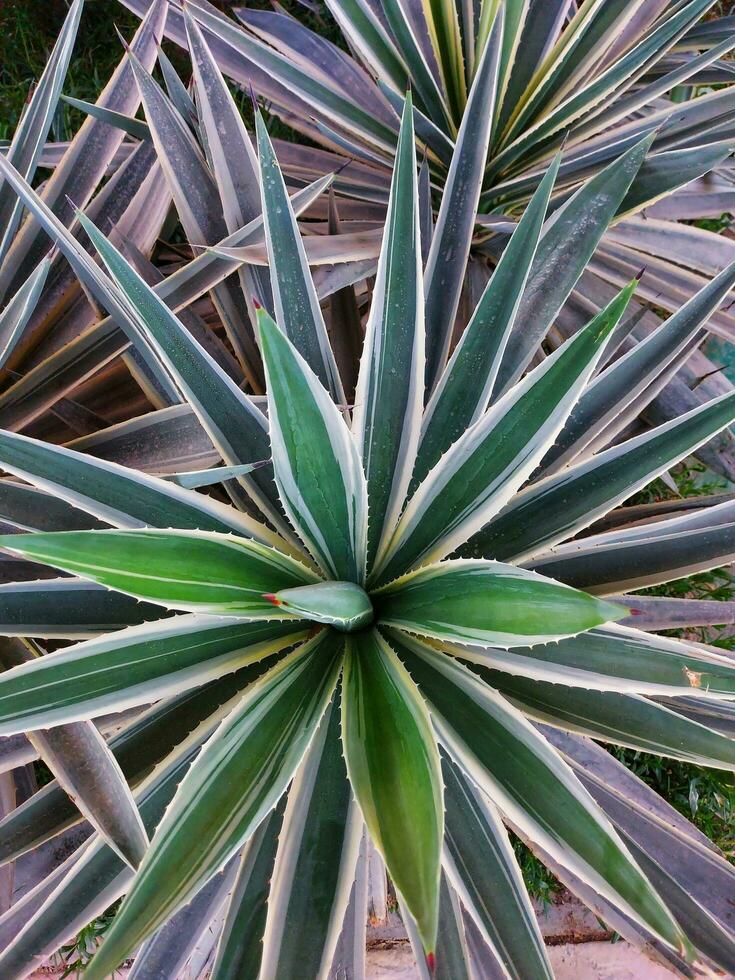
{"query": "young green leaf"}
(189, 570)
(317, 467)
(343, 605)
(485, 602)
(397, 781)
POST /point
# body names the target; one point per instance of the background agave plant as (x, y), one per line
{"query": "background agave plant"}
(428, 579)
(499, 88)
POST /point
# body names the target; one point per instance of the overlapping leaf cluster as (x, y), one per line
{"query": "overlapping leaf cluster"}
(413, 608)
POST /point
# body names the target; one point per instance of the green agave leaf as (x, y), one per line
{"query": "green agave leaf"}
(136, 666)
(601, 407)
(484, 602)
(569, 238)
(442, 21)
(128, 124)
(88, 881)
(531, 785)
(481, 865)
(581, 49)
(632, 559)
(387, 415)
(494, 457)
(623, 719)
(626, 69)
(315, 865)
(42, 386)
(343, 605)
(397, 781)
(452, 959)
(466, 385)
(67, 609)
(29, 509)
(450, 245)
(199, 207)
(29, 138)
(179, 945)
(141, 745)
(239, 776)
(317, 467)
(614, 658)
(19, 309)
(240, 949)
(236, 427)
(556, 508)
(196, 571)
(296, 303)
(118, 494)
(662, 173)
(88, 272)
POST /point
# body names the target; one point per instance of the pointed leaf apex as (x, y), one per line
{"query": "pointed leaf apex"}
(431, 963)
(272, 597)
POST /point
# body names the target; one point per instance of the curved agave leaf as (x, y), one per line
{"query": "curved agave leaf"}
(187, 570)
(397, 782)
(483, 602)
(237, 779)
(620, 719)
(387, 416)
(614, 658)
(532, 786)
(136, 666)
(493, 458)
(315, 864)
(480, 863)
(450, 244)
(318, 471)
(118, 494)
(240, 950)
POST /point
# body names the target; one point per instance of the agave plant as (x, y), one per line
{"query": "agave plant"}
(397, 630)
(499, 88)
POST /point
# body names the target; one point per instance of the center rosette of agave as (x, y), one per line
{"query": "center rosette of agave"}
(343, 605)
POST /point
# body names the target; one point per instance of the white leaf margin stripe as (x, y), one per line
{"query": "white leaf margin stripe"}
(514, 721)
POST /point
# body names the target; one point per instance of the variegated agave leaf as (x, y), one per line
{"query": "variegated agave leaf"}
(366, 639)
